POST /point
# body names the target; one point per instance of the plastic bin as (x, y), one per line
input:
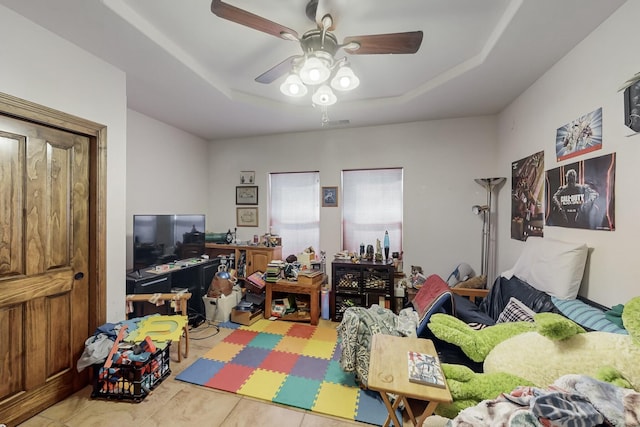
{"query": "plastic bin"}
(132, 382)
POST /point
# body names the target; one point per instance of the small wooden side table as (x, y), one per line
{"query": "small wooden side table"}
(286, 286)
(389, 373)
(470, 293)
(180, 300)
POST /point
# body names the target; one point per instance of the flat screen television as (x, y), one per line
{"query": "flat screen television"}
(161, 239)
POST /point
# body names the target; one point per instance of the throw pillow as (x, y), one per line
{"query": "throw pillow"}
(516, 311)
(586, 315)
(552, 266)
(429, 293)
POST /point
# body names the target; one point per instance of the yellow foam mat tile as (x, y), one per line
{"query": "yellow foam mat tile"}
(223, 352)
(292, 345)
(325, 334)
(337, 400)
(259, 326)
(278, 327)
(320, 349)
(159, 328)
(263, 384)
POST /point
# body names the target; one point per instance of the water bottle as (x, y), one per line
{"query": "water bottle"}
(324, 302)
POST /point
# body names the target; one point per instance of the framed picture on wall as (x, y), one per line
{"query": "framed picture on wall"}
(247, 195)
(247, 177)
(247, 217)
(329, 197)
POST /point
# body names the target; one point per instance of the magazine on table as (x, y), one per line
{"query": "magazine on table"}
(425, 369)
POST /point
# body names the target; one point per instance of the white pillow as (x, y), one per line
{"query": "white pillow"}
(552, 266)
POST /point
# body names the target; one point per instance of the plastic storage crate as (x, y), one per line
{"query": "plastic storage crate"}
(133, 381)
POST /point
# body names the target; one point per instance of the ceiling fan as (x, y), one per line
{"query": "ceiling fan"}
(319, 47)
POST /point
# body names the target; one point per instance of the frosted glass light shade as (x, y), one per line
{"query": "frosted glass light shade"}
(345, 79)
(293, 86)
(324, 96)
(314, 71)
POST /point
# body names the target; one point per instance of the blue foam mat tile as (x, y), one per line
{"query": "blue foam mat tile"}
(200, 371)
(229, 325)
(371, 409)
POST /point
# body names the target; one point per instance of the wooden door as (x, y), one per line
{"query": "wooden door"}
(44, 265)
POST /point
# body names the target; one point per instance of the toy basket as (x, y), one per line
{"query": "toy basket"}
(133, 381)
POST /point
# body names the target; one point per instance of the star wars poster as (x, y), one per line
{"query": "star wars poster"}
(581, 136)
(582, 194)
(527, 197)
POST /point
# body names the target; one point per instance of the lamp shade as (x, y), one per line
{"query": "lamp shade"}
(324, 96)
(293, 86)
(345, 79)
(314, 71)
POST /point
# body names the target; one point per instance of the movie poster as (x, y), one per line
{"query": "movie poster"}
(581, 136)
(582, 194)
(527, 197)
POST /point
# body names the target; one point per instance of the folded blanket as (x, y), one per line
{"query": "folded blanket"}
(615, 315)
(573, 400)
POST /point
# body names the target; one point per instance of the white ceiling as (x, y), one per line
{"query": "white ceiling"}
(195, 71)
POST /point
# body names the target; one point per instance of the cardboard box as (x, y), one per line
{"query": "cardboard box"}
(245, 317)
(311, 278)
(219, 309)
(305, 258)
(254, 283)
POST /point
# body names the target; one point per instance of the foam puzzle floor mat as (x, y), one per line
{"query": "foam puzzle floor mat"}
(288, 363)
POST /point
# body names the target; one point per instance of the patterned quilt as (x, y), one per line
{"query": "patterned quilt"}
(572, 401)
(359, 324)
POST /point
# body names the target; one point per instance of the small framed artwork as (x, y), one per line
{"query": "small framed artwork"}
(247, 195)
(632, 107)
(329, 197)
(247, 177)
(247, 217)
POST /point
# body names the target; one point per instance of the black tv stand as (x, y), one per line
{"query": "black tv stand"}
(194, 274)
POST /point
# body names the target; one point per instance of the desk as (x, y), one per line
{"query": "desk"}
(388, 373)
(285, 286)
(180, 301)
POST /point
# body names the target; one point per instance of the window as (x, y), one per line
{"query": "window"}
(294, 210)
(371, 205)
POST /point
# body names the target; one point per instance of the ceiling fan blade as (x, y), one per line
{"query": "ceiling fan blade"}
(385, 43)
(248, 19)
(277, 71)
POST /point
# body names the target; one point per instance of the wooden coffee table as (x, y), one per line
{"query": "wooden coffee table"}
(388, 373)
(285, 286)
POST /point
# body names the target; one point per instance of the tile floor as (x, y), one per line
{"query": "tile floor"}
(176, 403)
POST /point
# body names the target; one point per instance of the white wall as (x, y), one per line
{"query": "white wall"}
(440, 161)
(167, 172)
(584, 80)
(40, 67)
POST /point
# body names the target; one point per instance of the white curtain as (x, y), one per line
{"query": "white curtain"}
(371, 205)
(294, 210)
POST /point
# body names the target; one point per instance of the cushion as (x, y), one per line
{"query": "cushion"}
(586, 315)
(552, 266)
(433, 288)
(516, 311)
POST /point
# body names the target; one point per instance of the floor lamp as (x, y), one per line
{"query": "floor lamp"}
(489, 184)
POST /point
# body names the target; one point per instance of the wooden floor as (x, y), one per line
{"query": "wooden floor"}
(176, 403)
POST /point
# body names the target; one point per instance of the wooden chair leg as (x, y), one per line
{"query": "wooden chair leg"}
(186, 340)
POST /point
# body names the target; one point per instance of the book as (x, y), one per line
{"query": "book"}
(425, 369)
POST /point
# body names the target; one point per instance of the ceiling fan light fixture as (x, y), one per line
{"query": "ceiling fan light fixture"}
(315, 70)
(324, 96)
(345, 79)
(293, 86)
